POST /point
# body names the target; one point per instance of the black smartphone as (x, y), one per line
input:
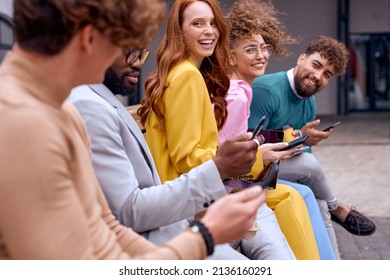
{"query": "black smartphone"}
(259, 126)
(295, 142)
(332, 126)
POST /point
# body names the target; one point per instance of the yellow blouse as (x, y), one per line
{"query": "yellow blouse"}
(190, 136)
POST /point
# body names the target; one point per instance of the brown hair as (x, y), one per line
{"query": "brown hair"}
(47, 26)
(173, 50)
(334, 51)
(251, 17)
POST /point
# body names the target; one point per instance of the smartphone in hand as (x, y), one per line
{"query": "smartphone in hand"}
(295, 142)
(259, 126)
(332, 126)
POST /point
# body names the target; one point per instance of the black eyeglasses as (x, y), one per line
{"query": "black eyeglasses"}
(133, 55)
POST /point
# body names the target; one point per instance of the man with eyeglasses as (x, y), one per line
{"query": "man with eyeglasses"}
(129, 78)
(126, 170)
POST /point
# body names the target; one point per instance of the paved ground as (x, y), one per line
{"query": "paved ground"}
(356, 159)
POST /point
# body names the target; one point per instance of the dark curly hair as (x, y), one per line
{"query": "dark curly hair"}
(252, 17)
(334, 51)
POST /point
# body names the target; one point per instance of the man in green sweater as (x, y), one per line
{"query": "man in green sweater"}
(287, 98)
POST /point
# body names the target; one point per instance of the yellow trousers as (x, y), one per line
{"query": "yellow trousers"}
(294, 221)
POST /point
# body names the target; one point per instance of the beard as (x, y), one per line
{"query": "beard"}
(118, 85)
(302, 89)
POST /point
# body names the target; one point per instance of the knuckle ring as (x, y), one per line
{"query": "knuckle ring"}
(256, 141)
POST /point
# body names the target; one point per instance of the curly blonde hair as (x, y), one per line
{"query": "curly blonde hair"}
(252, 17)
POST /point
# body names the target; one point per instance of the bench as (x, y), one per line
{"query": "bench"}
(133, 112)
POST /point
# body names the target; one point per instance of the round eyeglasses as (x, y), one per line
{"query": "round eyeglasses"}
(264, 49)
(133, 55)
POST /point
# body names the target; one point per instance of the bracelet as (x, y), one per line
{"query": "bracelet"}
(198, 226)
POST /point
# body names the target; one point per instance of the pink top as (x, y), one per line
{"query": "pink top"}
(238, 99)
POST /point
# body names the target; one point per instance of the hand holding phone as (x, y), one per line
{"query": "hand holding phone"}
(295, 142)
(332, 126)
(259, 126)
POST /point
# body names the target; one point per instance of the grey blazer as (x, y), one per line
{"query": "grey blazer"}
(127, 174)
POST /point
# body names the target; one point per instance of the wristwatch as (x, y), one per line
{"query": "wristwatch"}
(197, 226)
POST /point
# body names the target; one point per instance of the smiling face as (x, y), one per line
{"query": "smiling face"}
(249, 59)
(199, 30)
(312, 73)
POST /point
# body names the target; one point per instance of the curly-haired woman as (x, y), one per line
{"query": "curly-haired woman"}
(254, 33)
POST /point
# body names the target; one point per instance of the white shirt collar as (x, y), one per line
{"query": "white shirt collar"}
(290, 76)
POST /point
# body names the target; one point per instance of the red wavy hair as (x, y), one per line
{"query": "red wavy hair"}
(173, 50)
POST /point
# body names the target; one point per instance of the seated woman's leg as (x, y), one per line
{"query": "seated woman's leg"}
(322, 238)
(293, 217)
(269, 243)
(306, 170)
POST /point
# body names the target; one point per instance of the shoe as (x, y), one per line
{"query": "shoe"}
(356, 223)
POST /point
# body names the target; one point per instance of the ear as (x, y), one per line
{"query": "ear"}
(301, 58)
(87, 37)
(232, 60)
